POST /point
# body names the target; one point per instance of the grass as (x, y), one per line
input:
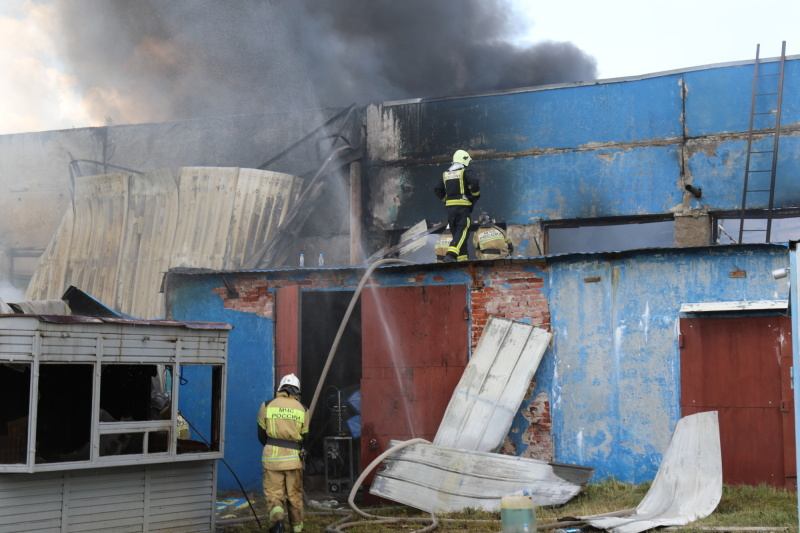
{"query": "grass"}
(741, 506)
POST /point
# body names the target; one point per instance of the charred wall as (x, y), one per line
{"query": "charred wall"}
(606, 149)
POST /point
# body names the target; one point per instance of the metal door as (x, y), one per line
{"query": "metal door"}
(287, 331)
(740, 367)
(415, 345)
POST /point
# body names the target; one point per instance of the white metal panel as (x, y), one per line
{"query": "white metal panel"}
(492, 386)
(688, 484)
(438, 479)
(707, 307)
(30, 503)
(178, 497)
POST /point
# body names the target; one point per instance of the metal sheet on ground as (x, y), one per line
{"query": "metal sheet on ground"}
(439, 479)
(688, 484)
(493, 385)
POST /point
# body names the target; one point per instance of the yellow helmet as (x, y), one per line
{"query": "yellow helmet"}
(461, 156)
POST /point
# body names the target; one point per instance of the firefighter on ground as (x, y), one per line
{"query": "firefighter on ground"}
(282, 424)
(491, 242)
(459, 190)
(442, 244)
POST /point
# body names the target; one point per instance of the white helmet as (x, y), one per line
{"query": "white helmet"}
(289, 380)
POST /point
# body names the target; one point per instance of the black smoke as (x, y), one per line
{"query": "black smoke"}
(155, 60)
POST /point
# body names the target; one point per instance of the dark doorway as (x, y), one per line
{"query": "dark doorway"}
(740, 367)
(338, 410)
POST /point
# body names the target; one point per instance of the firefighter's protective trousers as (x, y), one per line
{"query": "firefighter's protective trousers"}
(283, 418)
(458, 218)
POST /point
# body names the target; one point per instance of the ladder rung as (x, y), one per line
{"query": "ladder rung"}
(757, 190)
(767, 113)
(766, 75)
(765, 94)
(761, 151)
(754, 230)
(770, 170)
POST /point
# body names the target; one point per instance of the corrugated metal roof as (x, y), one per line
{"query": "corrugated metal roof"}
(125, 230)
(76, 319)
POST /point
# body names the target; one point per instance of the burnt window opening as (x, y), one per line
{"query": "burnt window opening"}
(611, 234)
(64, 412)
(785, 226)
(15, 387)
(133, 393)
(126, 392)
(199, 420)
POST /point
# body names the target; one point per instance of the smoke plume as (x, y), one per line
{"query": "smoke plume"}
(153, 60)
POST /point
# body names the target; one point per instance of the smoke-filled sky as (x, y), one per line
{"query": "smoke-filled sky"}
(75, 63)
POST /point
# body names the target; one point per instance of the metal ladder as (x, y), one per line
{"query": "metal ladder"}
(769, 94)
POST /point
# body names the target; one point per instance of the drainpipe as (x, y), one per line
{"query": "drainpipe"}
(355, 213)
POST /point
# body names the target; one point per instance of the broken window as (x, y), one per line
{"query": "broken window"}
(785, 227)
(131, 394)
(199, 421)
(605, 235)
(64, 412)
(15, 387)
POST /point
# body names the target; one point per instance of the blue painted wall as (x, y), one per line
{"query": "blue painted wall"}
(614, 376)
(608, 149)
(249, 381)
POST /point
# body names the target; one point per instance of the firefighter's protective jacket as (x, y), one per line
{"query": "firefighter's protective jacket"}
(283, 418)
(492, 242)
(459, 186)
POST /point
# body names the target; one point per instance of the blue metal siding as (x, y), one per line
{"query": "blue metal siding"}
(250, 375)
(610, 149)
(719, 99)
(614, 385)
(555, 118)
(721, 174)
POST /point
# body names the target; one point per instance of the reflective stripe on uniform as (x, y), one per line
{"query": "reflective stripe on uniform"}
(457, 201)
(275, 510)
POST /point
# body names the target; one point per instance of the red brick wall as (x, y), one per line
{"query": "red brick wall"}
(515, 292)
(509, 292)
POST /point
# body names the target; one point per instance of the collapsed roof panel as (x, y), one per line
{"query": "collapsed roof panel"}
(688, 485)
(439, 479)
(493, 385)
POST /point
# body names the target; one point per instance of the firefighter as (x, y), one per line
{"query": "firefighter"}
(182, 429)
(459, 190)
(442, 244)
(491, 242)
(282, 424)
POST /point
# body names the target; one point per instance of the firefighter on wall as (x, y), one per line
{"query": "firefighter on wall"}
(491, 242)
(459, 190)
(282, 424)
(442, 244)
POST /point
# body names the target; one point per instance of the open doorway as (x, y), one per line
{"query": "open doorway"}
(335, 429)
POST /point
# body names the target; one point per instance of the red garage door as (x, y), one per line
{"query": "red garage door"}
(740, 367)
(415, 345)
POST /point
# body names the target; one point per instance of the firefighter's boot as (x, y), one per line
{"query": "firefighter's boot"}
(278, 527)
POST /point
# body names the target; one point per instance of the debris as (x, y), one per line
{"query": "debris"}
(688, 484)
